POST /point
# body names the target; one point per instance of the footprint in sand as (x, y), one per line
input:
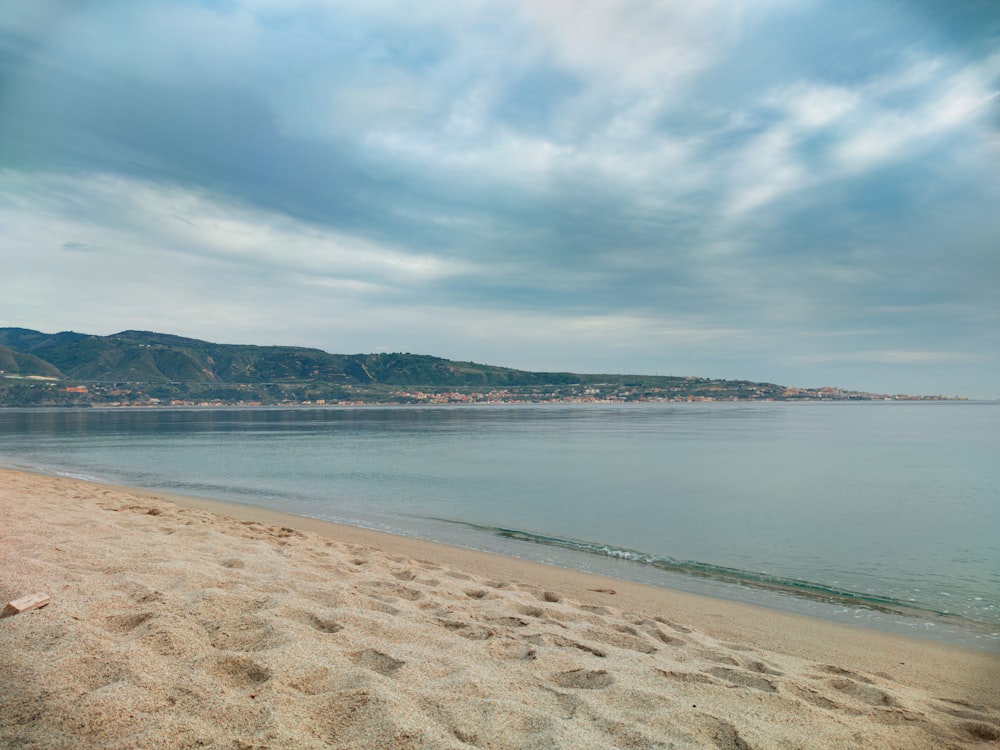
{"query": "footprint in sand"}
(559, 641)
(91, 673)
(238, 671)
(840, 672)
(317, 622)
(720, 658)
(377, 661)
(507, 622)
(568, 703)
(507, 649)
(724, 735)
(467, 630)
(500, 585)
(664, 638)
(322, 596)
(736, 646)
(314, 682)
(384, 607)
(964, 710)
(125, 623)
(623, 640)
(695, 678)
(762, 668)
(584, 679)
(982, 732)
(866, 693)
(856, 686)
(674, 626)
(396, 590)
(816, 698)
(741, 678)
(243, 635)
(751, 665)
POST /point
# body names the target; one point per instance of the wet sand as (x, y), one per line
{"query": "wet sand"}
(178, 622)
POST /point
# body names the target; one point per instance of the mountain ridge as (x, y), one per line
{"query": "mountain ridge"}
(145, 367)
(150, 357)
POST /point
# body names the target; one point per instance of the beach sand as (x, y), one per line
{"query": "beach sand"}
(178, 623)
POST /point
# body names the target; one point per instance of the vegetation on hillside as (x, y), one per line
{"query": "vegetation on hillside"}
(146, 368)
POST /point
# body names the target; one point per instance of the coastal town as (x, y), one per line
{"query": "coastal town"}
(146, 369)
(22, 391)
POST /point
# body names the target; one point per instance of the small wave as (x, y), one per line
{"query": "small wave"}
(44, 469)
(719, 573)
(78, 475)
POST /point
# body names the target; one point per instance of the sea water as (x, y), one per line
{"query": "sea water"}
(886, 514)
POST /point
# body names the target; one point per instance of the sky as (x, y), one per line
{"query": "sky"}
(802, 192)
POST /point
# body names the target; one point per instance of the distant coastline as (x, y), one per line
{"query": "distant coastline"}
(94, 397)
(146, 369)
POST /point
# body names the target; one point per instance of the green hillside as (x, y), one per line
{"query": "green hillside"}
(147, 368)
(17, 363)
(146, 357)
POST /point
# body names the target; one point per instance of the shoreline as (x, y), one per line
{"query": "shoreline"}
(921, 624)
(482, 560)
(522, 568)
(171, 614)
(876, 621)
(912, 572)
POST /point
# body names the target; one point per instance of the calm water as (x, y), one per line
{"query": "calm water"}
(886, 514)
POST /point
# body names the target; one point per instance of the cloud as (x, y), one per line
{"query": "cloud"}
(815, 133)
(147, 222)
(948, 103)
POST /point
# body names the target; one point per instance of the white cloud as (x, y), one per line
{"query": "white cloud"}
(767, 169)
(893, 116)
(174, 259)
(164, 223)
(936, 102)
(815, 105)
(633, 44)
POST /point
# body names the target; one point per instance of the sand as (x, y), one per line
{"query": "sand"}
(172, 626)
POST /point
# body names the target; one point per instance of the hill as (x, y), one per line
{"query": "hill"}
(144, 367)
(147, 357)
(16, 363)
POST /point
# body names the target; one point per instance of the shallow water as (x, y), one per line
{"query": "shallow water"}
(885, 514)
